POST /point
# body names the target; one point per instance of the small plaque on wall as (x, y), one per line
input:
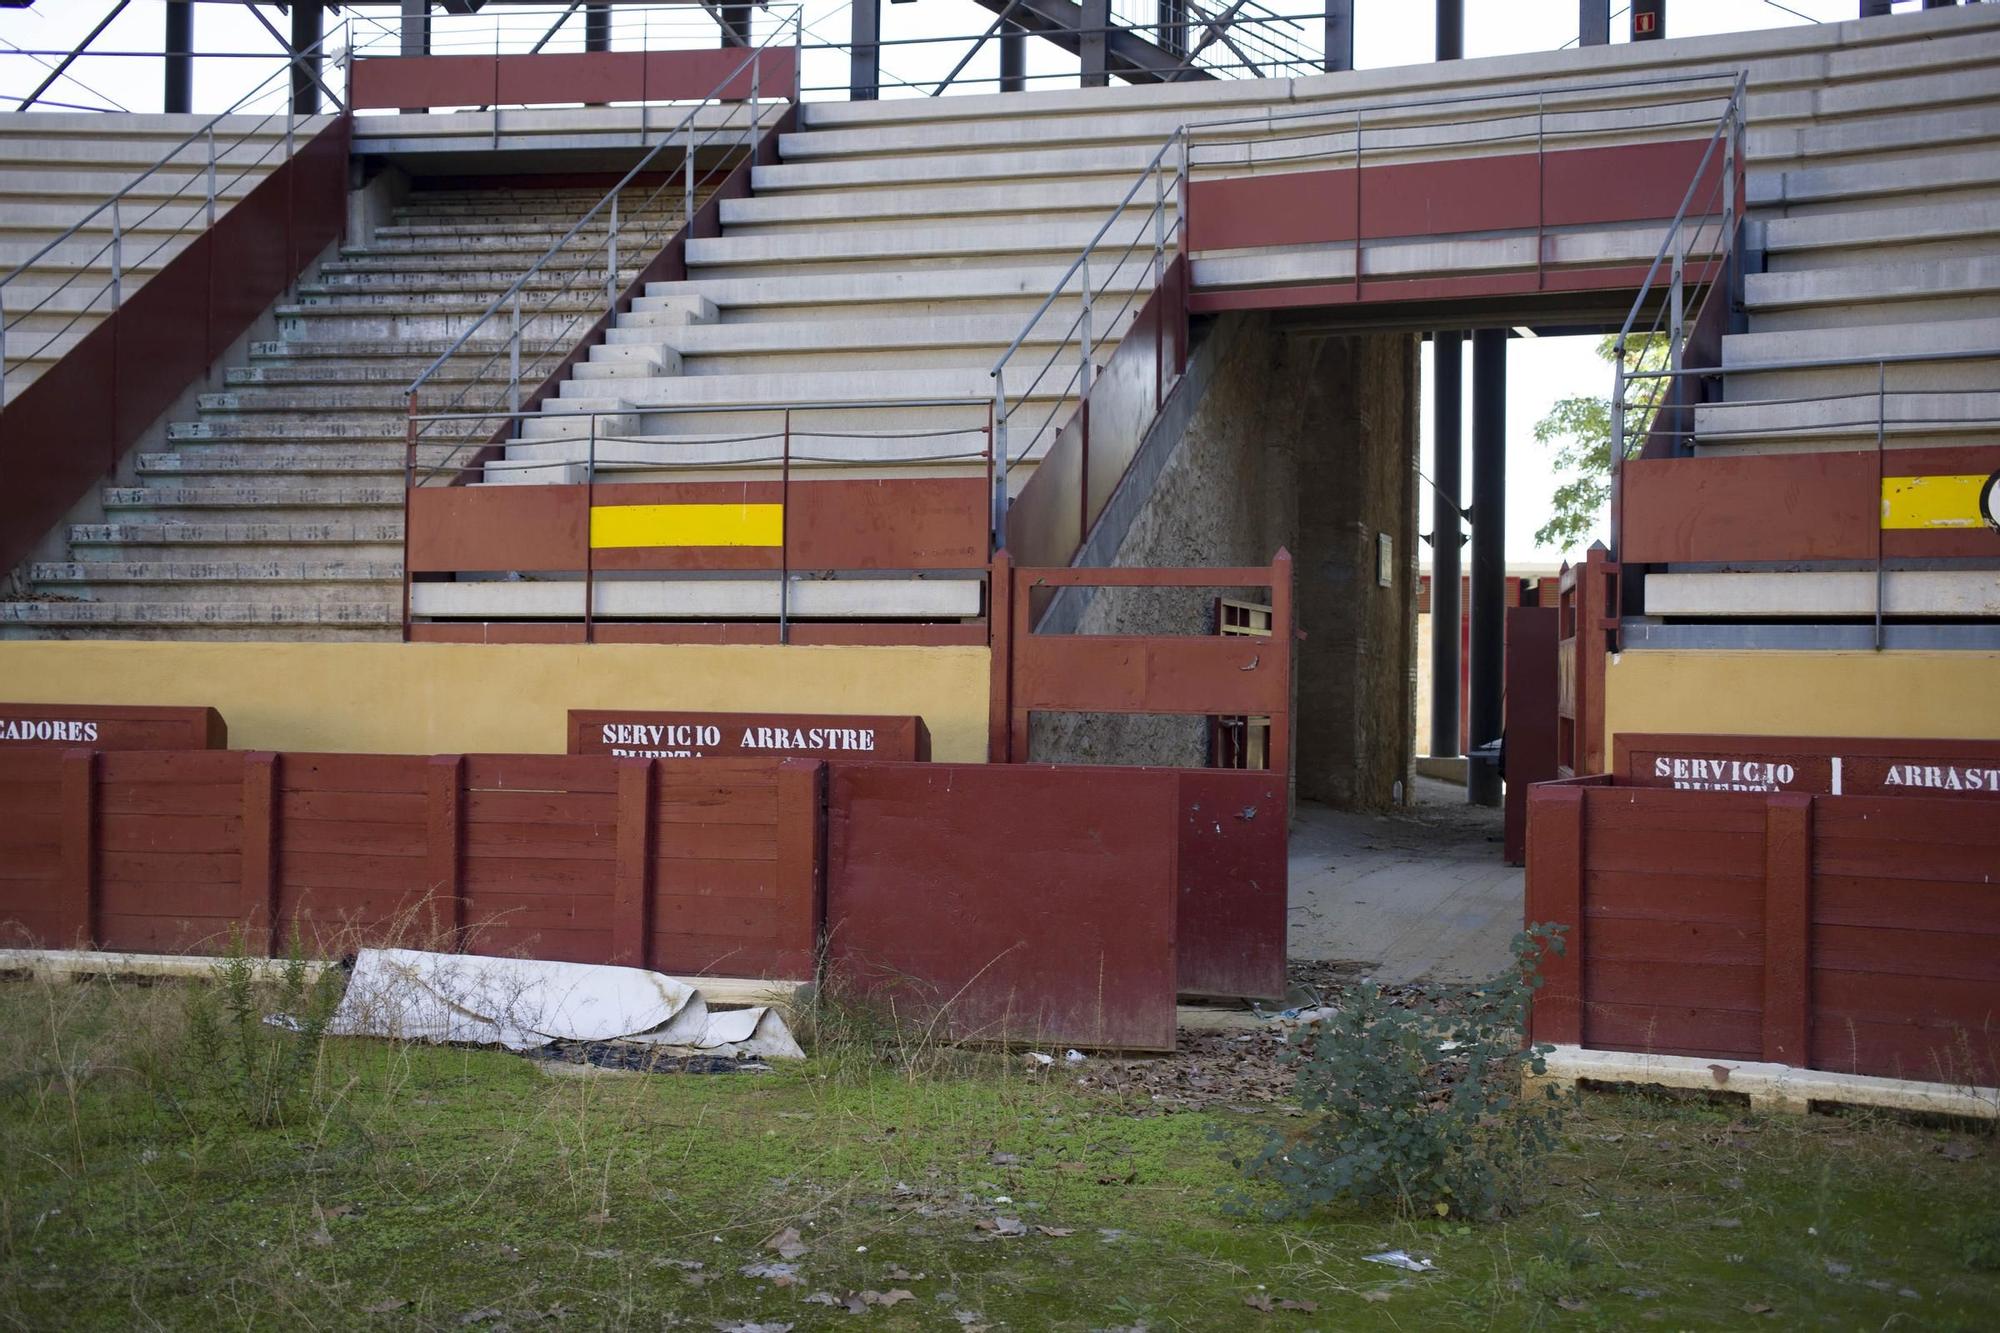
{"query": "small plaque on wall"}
(643, 734)
(110, 727)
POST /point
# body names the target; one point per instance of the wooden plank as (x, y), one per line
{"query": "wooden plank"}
(723, 842)
(1623, 849)
(1892, 997)
(177, 768)
(1938, 1053)
(173, 833)
(222, 869)
(1967, 908)
(799, 836)
(562, 946)
(632, 884)
(1952, 954)
(1787, 928)
(1738, 987)
(538, 807)
(1688, 943)
(540, 772)
(259, 833)
(77, 890)
(445, 840)
(395, 807)
(529, 910)
(1669, 1030)
(109, 727)
(694, 878)
(159, 798)
(401, 838)
(373, 774)
(1555, 887)
(1874, 857)
(1644, 895)
(488, 874)
(586, 842)
(351, 870)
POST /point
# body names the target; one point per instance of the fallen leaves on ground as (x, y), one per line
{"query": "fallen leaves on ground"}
(778, 1275)
(787, 1244)
(1002, 1226)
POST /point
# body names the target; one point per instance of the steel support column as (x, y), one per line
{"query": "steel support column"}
(1013, 58)
(864, 68)
(178, 97)
(308, 27)
(1451, 29)
(1172, 31)
(735, 23)
(597, 27)
(1339, 36)
(1874, 8)
(1448, 395)
(416, 29)
(1489, 556)
(1593, 22)
(1093, 44)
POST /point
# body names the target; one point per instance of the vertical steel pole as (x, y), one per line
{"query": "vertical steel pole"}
(1675, 309)
(3, 345)
(1160, 222)
(784, 536)
(1083, 335)
(1881, 429)
(687, 170)
(1617, 439)
(1447, 519)
(211, 174)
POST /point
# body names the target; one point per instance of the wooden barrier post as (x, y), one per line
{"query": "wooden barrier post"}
(1787, 927)
(259, 907)
(77, 888)
(1555, 895)
(1000, 634)
(802, 851)
(1283, 641)
(632, 887)
(444, 783)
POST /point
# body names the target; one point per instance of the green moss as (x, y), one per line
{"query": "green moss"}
(457, 1181)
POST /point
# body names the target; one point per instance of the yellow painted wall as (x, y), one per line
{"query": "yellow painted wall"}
(396, 698)
(1934, 695)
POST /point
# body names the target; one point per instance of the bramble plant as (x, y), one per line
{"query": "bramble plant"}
(264, 1072)
(1418, 1106)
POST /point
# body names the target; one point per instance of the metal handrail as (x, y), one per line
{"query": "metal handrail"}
(1674, 251)
(115, 245)
(510, 298)
(1190, 137)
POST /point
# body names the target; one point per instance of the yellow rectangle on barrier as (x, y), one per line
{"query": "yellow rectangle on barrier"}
(1932, 502)
(624, 526)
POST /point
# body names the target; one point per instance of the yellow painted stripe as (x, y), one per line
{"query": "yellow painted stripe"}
(1932, 502)
(687, 525)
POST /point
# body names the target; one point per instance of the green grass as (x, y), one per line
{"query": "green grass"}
(448, 1188)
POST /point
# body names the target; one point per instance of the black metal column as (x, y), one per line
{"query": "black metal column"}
(307, 29)
(1093, 43)
(1593, 22)
(1013, 57)
(179, 49)
(1489, 557)
(416, 31)
(1874, 8)
(1339, 36)
(735, 21)
(1173, 26)
(597, 27)
(1451, 29)
(1448, 437)
(864, 63)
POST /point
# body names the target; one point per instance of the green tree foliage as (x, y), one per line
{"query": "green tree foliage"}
(1579, 430)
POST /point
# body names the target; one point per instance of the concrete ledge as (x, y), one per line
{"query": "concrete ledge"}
(1443, 769)
(1770, 1087)
(1820, 595)
(701, 598)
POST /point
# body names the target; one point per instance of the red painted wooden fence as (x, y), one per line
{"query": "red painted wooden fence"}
(1857, 934)
(711, 871)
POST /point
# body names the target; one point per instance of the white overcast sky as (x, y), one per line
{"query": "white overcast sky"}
(1387, 32)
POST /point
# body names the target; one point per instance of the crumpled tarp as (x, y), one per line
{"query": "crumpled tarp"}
(524, 1003)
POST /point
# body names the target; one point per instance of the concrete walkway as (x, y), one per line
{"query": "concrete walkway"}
(1420, 893)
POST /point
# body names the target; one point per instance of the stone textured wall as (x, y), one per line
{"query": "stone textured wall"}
(1310, 444)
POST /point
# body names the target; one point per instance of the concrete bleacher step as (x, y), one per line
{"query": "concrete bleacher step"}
(1943, 229)
(345, 540)
(202, 618)
(1883, 293)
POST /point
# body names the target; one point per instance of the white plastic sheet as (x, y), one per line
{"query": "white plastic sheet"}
(523, 1003)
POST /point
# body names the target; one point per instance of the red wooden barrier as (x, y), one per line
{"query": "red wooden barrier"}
(1857, 934)
(1012, 903)
(552, 78)
(584, 858)
(110, 727)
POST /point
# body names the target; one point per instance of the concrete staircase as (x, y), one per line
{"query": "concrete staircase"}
(277, 513)
(55, 167)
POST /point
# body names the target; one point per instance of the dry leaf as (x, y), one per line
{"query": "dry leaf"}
(1056, 1231)
(1257, 1300)
(1307, 1306)
(1002, 1226)
(1375, 1295)
(887, 1297)
(390, 1306)
(786, 1243)
(1574, 1304)
(1759, 1307)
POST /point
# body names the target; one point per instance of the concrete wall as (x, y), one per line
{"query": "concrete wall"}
(1768, 692)
(395, 698)
(1306, 443)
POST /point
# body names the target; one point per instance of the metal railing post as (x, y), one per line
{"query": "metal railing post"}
(1881, 431)
(756, 71)
(611, 264)
(1083, 333)
(1676, 306)
(3, 346)
(687, 170)
(117, 257)
(1000, 452)
(514, 367)
(1160, 224)
(211, 175)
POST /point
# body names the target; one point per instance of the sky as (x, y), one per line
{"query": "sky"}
(1387, 32)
